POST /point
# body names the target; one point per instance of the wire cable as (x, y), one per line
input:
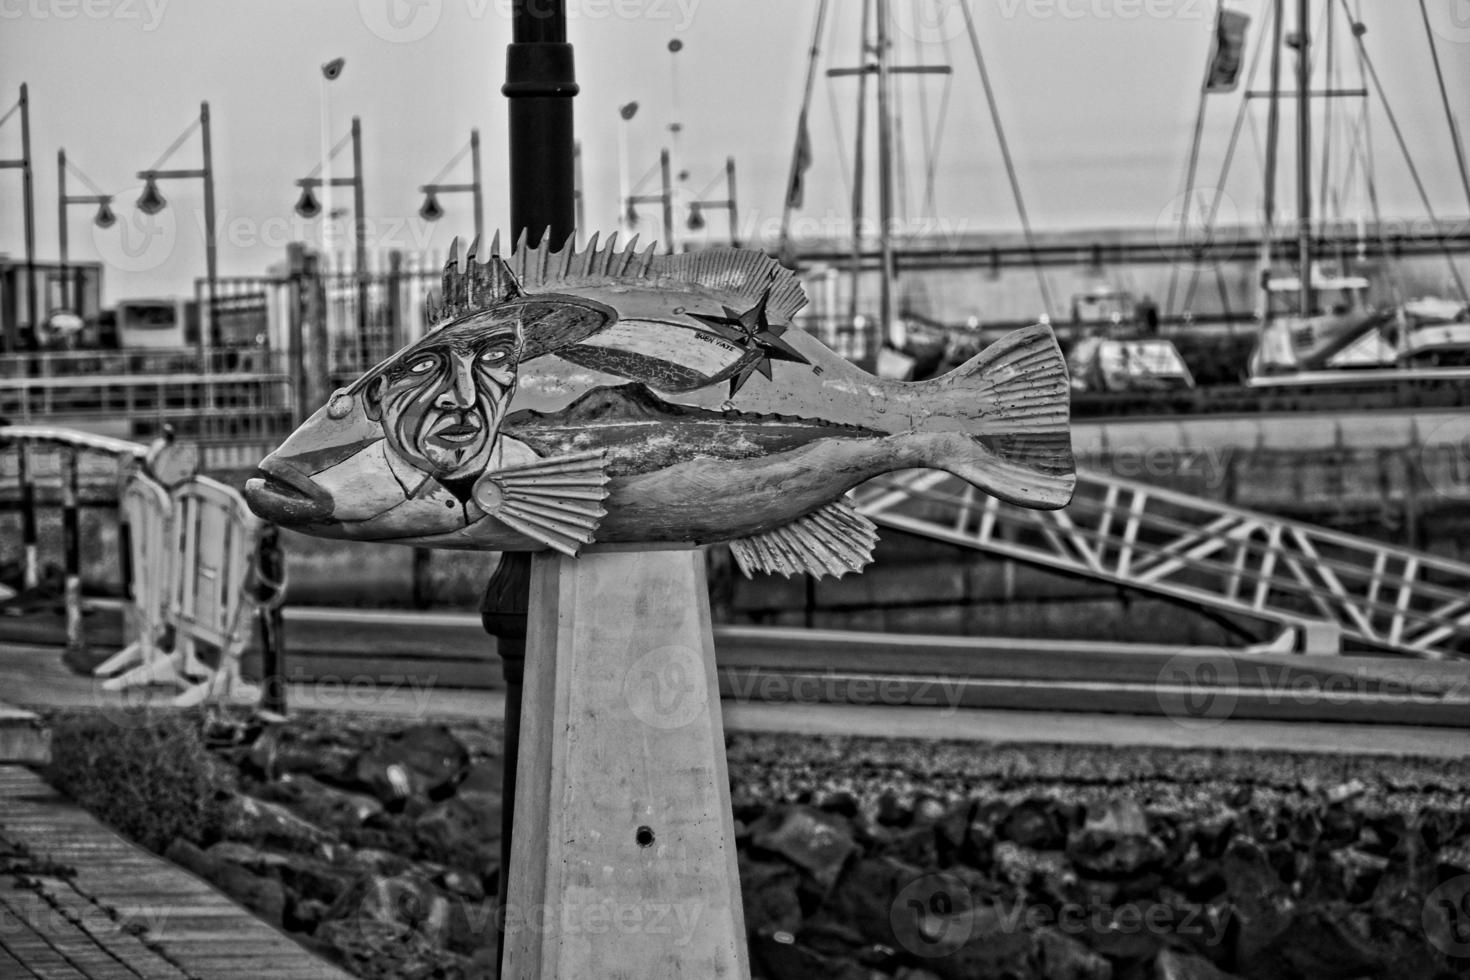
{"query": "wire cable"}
(1444, 98)
(1005, 152)
(174, 146)
(1413, 168)
(802, 133)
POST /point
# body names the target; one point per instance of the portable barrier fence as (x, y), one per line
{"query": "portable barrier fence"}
(197, 567)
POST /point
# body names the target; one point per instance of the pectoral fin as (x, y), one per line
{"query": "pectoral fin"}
(834, 540)
(557, 501)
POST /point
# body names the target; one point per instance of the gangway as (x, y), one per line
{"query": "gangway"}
(1322, 584)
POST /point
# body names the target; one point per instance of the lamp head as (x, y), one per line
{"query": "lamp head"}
(696, 217)
(151, 201)
(632, 215)
(105, 218)
(307, 205)
(431, 211)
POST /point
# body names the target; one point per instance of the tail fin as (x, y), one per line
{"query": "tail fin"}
(1001, 421)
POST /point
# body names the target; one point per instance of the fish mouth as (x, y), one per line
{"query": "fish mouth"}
(283, 494)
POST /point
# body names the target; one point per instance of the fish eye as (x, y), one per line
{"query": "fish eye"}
(421, 365)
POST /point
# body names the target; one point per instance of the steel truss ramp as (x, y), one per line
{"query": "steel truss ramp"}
(1325, 585)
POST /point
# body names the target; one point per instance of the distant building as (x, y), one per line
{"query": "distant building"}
(82, 282)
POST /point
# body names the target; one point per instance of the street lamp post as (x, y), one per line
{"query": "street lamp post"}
(308, 207)
(701, 204)
(665, 200)
(625, 116)
(104, 219)
(540, 83)
(431, 211)
(12, 332)
(151, 202)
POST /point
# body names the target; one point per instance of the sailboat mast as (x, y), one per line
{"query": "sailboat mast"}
(859, 183)
(1273, 130)
(1304, 157)
(885, 176)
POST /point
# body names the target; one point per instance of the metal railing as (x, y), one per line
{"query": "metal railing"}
(1319, 582)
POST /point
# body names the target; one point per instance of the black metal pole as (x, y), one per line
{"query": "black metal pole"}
(731, 206)
(359, 232)
(71, 536)
(211, 252)
(476, 187)
(1304, 158)
(61, 243)
(271, 567)
(540, 82)
(667, 199)
(31, 564)
(32, 301)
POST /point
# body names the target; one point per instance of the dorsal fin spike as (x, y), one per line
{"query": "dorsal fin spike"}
(568, 253)
(518, 256)
(589, 255)
(495, 244)
(544, 250)
(609, 251)
(473, 250)
(645, 261)
(629, 254)
(453, 260)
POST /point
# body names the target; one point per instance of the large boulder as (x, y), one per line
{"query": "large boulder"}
(1115, 842)
(280, 749)
(454, 832)
(817, 842)
(320, 803)
(421, 764)
(255, 821)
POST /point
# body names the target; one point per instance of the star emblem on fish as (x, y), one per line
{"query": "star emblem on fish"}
(752, 331)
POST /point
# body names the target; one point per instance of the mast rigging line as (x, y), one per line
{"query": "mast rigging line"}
(1444, 98)
(801, 126)
(1005, 152)
(1408, 159)
(1242, 113)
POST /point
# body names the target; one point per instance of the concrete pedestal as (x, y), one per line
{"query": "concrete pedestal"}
(623, 862)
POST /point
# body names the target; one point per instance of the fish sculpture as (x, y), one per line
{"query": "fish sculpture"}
(565, 398)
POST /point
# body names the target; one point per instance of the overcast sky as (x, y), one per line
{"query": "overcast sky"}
(1097, 96)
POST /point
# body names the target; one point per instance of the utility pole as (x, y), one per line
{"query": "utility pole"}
(540, 82)
(885, 180)
(1304, 157)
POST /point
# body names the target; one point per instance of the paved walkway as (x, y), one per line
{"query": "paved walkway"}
(35, 678)
(124, 914)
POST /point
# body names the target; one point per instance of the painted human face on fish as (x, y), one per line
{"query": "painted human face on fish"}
(441, 404)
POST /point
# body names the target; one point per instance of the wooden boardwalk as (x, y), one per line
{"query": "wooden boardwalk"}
(124, 914)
